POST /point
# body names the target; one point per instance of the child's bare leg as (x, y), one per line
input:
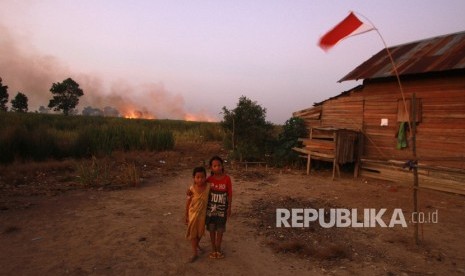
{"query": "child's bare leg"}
(219, 239)
(195, 244)
(213, 240)
(198, 246)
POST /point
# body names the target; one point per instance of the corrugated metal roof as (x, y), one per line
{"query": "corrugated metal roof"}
(435, 54)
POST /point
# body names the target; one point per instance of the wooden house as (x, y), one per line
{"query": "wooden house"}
(434, 71)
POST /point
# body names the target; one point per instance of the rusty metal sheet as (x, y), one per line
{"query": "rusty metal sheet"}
(435, 54)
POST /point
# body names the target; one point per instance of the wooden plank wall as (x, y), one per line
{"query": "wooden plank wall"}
(311, 116)
(344, 112)
(440, 133)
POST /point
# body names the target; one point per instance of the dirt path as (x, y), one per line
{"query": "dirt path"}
(129, 232)
(140, 231)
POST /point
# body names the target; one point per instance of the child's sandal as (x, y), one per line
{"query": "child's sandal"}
(212, 255)
(219, 255)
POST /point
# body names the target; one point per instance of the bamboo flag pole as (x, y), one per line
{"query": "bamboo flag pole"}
(411, 118)
(394, 67)
(415, 167)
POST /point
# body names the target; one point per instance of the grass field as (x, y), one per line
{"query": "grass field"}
(36, 137)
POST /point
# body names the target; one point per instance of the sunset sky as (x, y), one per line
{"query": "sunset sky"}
(176, 59)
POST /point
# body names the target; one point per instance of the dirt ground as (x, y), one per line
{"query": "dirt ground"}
(52, 225)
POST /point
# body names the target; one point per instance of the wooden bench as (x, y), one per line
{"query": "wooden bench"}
(319, 149)
(331, 145)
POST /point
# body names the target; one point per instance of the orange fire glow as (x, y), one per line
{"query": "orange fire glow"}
(138, 115)
(199, 118)
(132, 113)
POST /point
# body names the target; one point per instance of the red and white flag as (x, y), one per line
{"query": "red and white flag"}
(350, 26)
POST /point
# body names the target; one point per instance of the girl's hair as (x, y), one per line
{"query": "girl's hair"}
(217, 158)
(199, 170)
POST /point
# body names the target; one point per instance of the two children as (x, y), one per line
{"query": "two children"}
(208, 211)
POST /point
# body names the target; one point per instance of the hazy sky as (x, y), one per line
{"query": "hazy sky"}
(174, 58)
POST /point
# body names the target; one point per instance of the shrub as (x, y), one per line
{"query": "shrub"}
(292, 130)
(249, 132)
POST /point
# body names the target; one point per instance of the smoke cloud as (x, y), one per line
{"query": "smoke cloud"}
(23, 69)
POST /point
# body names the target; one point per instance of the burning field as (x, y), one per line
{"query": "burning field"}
(33, 73)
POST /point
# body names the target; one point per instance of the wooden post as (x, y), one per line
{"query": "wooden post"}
(415, 168)
(359, 153)
(232, 136)
(335, 164)
(309, 158)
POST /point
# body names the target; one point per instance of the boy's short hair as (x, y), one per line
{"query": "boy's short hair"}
(199, 169)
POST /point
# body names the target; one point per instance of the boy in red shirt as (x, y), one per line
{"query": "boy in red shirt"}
(219, 205)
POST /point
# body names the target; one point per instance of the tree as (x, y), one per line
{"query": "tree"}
(3, 96)
(292, 130)
(65, 96)
(249, 131)
(19, 103)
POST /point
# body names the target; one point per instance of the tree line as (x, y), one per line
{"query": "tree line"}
(249, 136)
(65, 97)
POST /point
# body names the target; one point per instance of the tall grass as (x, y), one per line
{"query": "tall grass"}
(31, 136)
